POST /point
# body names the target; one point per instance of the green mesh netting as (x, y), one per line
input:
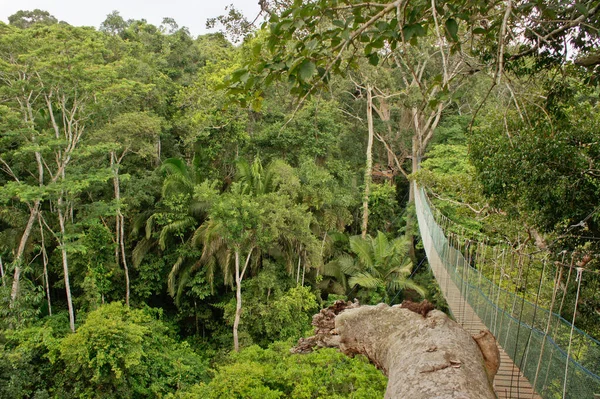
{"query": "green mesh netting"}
(536, 339)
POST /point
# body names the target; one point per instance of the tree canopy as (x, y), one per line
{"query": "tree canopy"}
(166, 198)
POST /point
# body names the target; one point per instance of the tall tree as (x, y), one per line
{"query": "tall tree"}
(26, 19)
(57, 79)
(136, 133)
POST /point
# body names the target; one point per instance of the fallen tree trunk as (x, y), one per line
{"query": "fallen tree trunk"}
(424, 353)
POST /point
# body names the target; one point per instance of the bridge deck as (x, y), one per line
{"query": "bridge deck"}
(509, 382)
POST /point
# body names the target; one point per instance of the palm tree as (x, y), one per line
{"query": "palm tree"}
(248, 222)
(379, 264)
(184, 184)
(252, 179)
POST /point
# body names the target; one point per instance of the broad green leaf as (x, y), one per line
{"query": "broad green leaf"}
(374, 59)
(452, 27)
(306, 70)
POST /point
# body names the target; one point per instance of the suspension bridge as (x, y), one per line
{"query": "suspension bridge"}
(519, 297)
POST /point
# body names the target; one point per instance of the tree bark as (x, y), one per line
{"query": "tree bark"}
(410, 220)
(123, 257)
(45, 262)
(120, 224)
(369, 164)
(239, 276)
(423, 356)
(65, 262)
(2, 272)
(33, 210)
(238, 301)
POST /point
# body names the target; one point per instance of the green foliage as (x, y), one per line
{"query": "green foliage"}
(29, 364)
(127, 353)
(378, 269)
(26, 19)
(26, 309)
(275, 373)
(132, 120)
(384, 212)
(95, 259)
(330, 28)
(313, 133)
(272, 314)
(542, 169)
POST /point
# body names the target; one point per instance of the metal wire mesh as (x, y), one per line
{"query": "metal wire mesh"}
(536, 339)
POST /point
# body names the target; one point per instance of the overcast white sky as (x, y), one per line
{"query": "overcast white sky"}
(190, 13)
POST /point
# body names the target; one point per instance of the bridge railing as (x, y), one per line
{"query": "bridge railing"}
(548, 349)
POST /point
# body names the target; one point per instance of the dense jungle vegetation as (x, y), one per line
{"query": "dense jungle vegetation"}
(174, 209)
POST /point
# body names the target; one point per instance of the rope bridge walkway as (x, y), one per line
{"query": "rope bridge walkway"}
(519, 298)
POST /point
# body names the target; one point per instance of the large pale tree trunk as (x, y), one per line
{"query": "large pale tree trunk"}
(369, 164)
(424, 353)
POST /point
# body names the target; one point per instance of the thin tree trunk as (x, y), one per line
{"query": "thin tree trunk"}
(298, 270)
(45, 261)
(391, 157)
(117, 238)
(120, 224)
(239, 276)
(322, 250)
(20, 250)
(2, 272)
(410, 222)
(369, 165)
(124, 259)
(238, 301)
(65, 261)
(303, 272)
(158, 149)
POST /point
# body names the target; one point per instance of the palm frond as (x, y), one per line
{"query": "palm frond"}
(175, 166)
(174, 227)
(210, 273)
(183, 280)
(177, 184)
(404, 268)
(363, 249)
(198, 208)
(381, 247)
(348, 264)
(400, 245)
(150, 226)
(403, 283)
(172, 279)
(365, 280)
(141, 249)
(338, 288)
(140, 222)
